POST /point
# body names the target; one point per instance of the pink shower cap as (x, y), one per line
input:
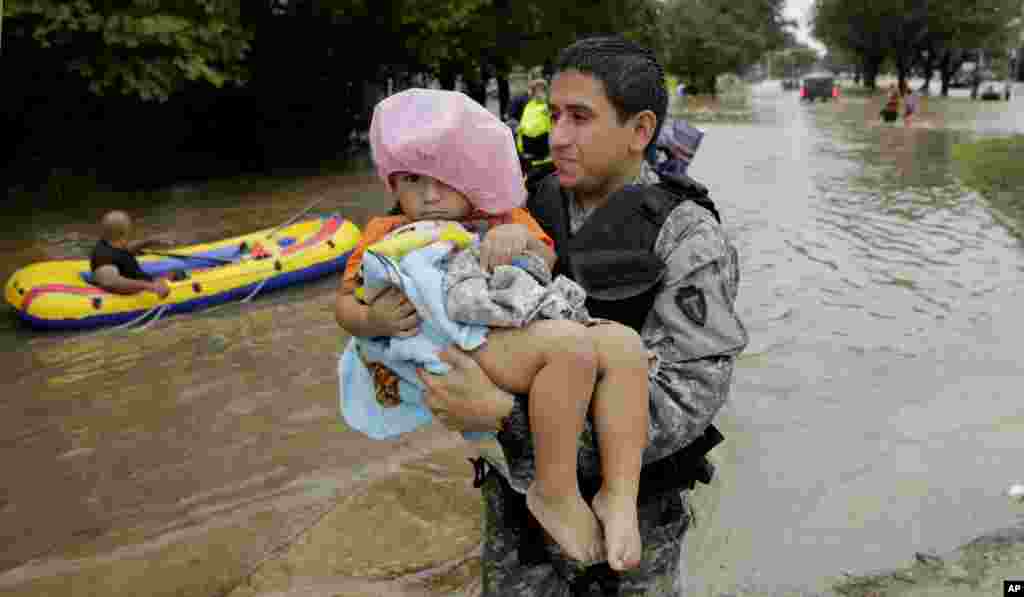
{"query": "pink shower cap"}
(447, 135)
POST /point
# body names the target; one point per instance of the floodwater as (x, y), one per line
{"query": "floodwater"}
(876, 411)
(873, 415)
(174, 459)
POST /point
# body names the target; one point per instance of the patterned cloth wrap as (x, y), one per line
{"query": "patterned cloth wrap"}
(436, 264)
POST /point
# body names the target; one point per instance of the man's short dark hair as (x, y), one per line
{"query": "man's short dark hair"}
(633, 79)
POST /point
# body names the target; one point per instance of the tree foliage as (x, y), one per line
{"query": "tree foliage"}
(793, 61)
(704, 38)
(148, 48)
(914, 34)
(161, 89)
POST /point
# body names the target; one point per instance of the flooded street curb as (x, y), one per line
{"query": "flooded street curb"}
(386, 537)
(977, 568)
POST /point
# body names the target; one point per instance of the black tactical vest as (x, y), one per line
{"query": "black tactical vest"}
(612, 258)
(612, 255)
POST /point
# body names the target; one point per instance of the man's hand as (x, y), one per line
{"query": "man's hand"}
(502, 244)
(160, 288)
(464, 399)
(392, 314)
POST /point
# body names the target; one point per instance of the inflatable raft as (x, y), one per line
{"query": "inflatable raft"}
(60, 294)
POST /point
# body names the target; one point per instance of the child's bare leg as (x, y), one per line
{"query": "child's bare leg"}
(621, 411)
(555, 362)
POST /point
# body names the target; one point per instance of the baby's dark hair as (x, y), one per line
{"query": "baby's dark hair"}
(633, 79)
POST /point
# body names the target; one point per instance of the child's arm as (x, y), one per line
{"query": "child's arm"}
(390, 314)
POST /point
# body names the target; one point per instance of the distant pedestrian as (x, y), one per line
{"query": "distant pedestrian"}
(910, 102)
(891, 111)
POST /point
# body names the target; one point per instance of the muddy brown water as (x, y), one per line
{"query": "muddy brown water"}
(875, 413)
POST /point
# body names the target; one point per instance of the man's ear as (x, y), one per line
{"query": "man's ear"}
(643, 125)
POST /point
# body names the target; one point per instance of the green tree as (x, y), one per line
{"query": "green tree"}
(956, 30)
(865, 29)
(480, 39)
(147, 48)
(439, 35)
(702, 39)
(914, 33)
(289, 73)
(838, 59)
(793, 61)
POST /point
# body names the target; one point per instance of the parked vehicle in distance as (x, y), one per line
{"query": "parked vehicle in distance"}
(996, 91)
(790, 84)
(964, 77)
(961, 79)
(819, 85)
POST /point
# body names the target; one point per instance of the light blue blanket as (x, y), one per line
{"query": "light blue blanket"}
(420, 274)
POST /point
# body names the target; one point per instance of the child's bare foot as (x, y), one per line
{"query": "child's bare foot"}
(569, 521)
(621, 528)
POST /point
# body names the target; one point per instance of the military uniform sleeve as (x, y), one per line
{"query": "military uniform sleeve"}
(693, 331)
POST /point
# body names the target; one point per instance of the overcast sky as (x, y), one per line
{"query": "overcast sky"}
(798, 9)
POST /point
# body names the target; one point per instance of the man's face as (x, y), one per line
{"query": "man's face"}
(588, 144)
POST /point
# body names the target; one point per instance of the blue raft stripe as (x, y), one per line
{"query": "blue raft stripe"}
(195, 261)
(310, 273)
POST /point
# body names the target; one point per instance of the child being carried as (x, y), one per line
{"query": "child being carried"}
(453, 169)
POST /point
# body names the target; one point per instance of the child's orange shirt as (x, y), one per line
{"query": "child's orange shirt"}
(378, 228)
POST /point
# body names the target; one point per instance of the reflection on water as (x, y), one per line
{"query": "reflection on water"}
(880, 293)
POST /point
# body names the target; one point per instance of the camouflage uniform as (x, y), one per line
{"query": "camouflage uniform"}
(691, 370)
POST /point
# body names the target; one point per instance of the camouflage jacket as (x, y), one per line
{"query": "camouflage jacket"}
(692, 334)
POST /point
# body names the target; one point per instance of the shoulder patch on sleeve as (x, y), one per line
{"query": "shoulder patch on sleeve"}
(692, 303)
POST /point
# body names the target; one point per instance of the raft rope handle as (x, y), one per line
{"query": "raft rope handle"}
(160, 310)
(249, 297)
(258, 288)
(297, 216)
(127, 324)
(159, 313)
(137, 319)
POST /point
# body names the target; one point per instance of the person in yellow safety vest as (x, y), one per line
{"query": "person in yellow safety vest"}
(532, 134)
(534, 125)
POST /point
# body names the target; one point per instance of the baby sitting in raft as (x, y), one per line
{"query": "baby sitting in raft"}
(453, 169)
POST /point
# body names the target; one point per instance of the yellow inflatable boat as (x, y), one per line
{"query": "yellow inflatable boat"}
(60, 294)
